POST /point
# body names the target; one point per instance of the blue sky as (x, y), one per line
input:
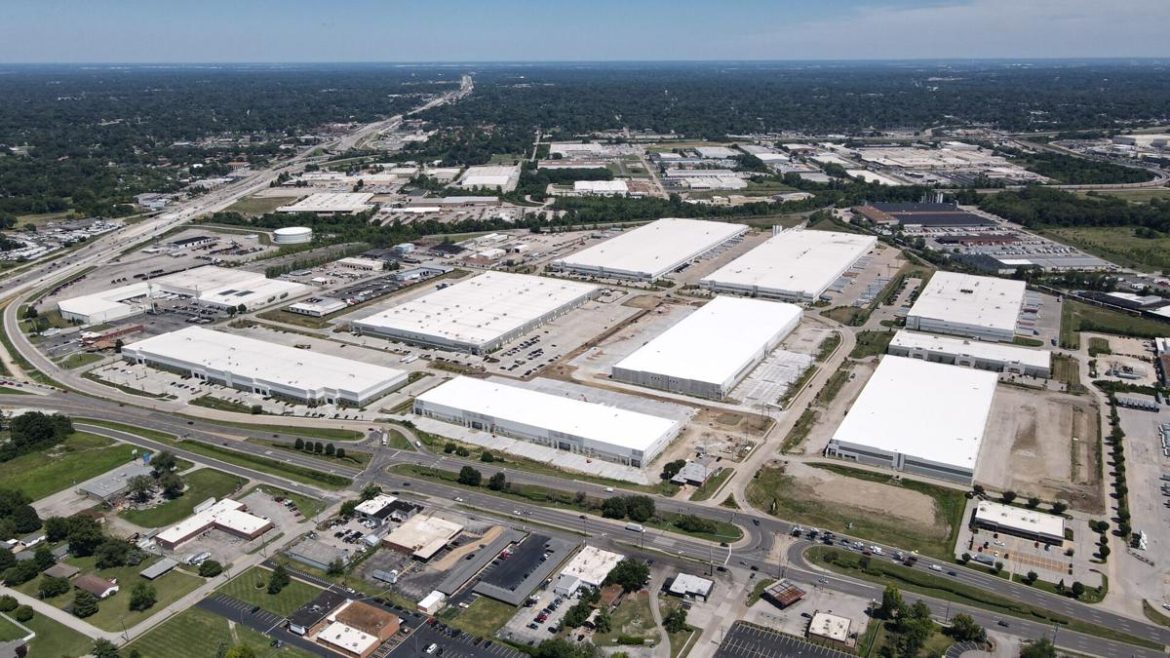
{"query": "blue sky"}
(541, 30)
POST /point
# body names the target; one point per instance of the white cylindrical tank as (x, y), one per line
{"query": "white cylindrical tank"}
(292, 235)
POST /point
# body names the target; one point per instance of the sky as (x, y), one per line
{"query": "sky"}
(294, 31)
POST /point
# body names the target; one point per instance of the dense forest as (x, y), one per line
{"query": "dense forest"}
(1072, 170)
(715, 100)
(1039, 206)
(90, 138)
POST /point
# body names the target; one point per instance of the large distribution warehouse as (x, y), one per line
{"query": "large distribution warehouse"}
(711, 350)
(919, 417)
(218, 287)
(978, 306)
(651, 251)
(793, 265)
(266, 369)
(479, 314)
(594, 430)
(999, 357)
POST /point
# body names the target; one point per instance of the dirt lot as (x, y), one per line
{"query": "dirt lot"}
(830, 419)
(906, 507)
(1043, 444)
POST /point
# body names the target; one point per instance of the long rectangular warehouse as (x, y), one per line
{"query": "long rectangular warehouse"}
(564, 423)
(651, 251)
(265, 369)
(479, 314)
(977, 306)
(919, 417)
(708, 352)
(998, 357)
(793, 265)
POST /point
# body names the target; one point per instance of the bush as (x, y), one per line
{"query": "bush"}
(278, 580)
(210, 569)
(51, 586)
(470, 477)
(143, 596)
(23, 613)
(7, 603)
(84, 604)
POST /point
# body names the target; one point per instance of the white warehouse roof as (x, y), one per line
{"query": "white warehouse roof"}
(650, 251)
(1019, 519)
(557, 414)
(717, 343)
(793, 264)
(303, 371)
(965, 299)
(479, 310)
(924, 410)
(950, 345)
(601, 187)
(331, 202)
(591, 565)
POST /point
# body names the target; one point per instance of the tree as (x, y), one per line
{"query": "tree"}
(487, 457)
(1041, 648)
(241, 651)
(172, 484)
(1033, 502)
(278, 580)
(51, 586)
(341, 453)
(141, 487)
(676, 620)
(22, 613)
(111, 553)
(692, 523)
(892, 604)
(470, 477)
(1008, 497)
(7, 559)
(370, 492)
(143, 596)
(1103, 550)
(964, 629)
(8, 603)
(1059, 507)
(1078, 588)
(1031, 577)
(577, 614)
(84, 604)
(449, 447)
(336, 567)
(330, 450)
(604, 622)
(299, 444)
(56, 528)
(103, 648)
(21, 572)
(319, 447)
(43, 557)
(671, 469)
(210, 569)
(497, 482)
(640, 508)
(614, 508)
(163, 461)
(630, 573)
(348, 508)
(118, 345)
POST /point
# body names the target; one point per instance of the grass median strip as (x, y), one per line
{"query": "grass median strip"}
(144, 432)
(331, 433)
(271, 466)
(922, 582)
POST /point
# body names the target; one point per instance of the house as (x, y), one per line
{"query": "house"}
(62, 570)
(96, 585)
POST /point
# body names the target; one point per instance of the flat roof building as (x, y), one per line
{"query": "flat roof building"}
(651, 251)
(783, 593)
(228, 515)
(967, 305)
(793, 265)
(601, 187)
(564, 423)
(918, 417)
(493, 177)
(264, 368)
(422, 536)
(1026, 523)
(479, 314)
(833, 628)
(331, 203)
(115, 482)
(318, 307)
(588, 567)
(997, 357)
(708, 352)
(378, 509)
(691, 587)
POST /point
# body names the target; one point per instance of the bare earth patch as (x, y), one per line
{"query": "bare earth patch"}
(902, 506)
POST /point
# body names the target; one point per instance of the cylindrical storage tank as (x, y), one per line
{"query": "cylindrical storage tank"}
(292, 235)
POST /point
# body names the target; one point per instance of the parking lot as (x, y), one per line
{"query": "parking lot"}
(746, 640)
(450, 643)
(535, 623)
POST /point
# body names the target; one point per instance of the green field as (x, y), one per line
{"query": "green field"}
(79, 458)
(244, 587)
(5, 390)
(9, 631)
(1136, 195)
(201, 484)
(482, 618)
(1117, 244)
(712, 485)
(266, 465)
(55, 639)
(196, 633)
(782, 496)
(144, 432)
(80, 359)
(632, 618)
(871, 343)
(330, 433)
(1067, 370)
(1077, 316)
(255, 206)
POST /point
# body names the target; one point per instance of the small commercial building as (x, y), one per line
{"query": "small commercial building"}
(228, 515)
(981, 307)
(919, 417)
(115, 482)
(158, 569)
(356, 629)
(422, 536)
(689, 586)
(793, 265)
(318, 307)
(265, 368)
(556, 421)
(479, 314)
(363, 264)
(589, 567)
(1026, 523)
(331, 203)
(829, 627)
(711, 350)
(377, 509)
(432, 603)
(314, 612)
(997, 357)
(193, 242)
(783, 593)
(651, 251)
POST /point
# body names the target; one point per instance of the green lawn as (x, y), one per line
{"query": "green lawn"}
(201, 484)
(256, 206)
(270, 466)
(482, 618)
(79, 359)
(871, 343)
(6, 390)
(116, 609)
(1077, 317)
(779, 493)
(55, 639)
(197, 633)
(144, 432)
(1118, 244)
(331, 433)
(632, 618)
(352, 457)
(799, 431)
(712, 485)
(1068, 370)
(9, 631)
(1136, 195)
(244, 587)
(398, 441)
(1098, 346)
(79, 458)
